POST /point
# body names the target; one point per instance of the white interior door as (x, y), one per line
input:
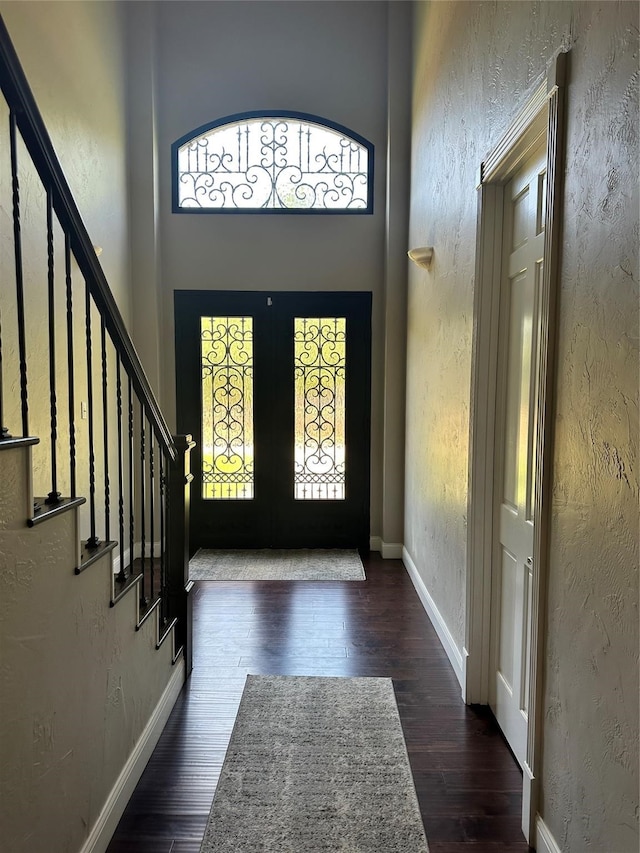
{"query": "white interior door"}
(523, 242)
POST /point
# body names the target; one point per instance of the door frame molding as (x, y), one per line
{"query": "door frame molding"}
(542, 116)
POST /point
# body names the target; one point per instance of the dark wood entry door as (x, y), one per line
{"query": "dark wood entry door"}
(275, 389)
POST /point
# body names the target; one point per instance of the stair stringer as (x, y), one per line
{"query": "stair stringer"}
(79, 684)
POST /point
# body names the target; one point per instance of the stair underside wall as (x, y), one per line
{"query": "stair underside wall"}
(78, 685)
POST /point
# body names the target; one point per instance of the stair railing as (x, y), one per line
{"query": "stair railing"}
(124, 457)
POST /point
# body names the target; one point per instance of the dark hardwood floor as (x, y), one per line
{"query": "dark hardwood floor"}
(467, 781)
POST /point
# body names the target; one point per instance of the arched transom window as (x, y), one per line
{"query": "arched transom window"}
(272, 162)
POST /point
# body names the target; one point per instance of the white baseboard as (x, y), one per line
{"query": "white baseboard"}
(545, 842)
(116, 559)
(391, 550)
(448, 643)
(388, 550)
(529, 791)
(465, 678)
(105, 826)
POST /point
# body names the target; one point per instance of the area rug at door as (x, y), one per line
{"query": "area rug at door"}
(276, 564)
(316, 764)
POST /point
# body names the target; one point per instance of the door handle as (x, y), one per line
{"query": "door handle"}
(529, 561)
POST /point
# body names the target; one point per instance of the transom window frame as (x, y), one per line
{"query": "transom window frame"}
(237, 118)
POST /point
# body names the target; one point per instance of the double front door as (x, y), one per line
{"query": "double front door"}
(275, 389)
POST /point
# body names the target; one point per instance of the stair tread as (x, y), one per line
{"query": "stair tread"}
(88, 556)
(146, 611)
(121, 588)
(46, 511)
(23, 441)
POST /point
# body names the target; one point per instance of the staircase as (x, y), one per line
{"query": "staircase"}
(94, 591)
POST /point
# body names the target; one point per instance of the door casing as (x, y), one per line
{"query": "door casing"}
(540, 120)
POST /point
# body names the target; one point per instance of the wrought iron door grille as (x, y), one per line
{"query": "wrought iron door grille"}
(319, 375)
(273, 163)
(227, 408)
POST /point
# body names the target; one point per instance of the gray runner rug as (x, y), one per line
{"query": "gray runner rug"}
(316, 765)
(271, 564)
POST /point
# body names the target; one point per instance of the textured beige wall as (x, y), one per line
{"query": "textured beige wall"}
(474, 63)
(396, 237)
(77, 683)
(326, 58)
(144, 168)
(73, 56)
(590, 779)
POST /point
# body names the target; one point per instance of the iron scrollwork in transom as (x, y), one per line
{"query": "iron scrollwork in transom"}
(273, 163)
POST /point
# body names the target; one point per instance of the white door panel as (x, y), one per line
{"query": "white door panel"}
(523, 242)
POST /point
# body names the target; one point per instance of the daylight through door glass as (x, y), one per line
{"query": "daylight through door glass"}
(227, 408)
(319, 436)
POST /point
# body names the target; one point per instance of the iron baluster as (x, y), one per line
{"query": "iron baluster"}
(163, 508)
(17, 246)
(54, 495)
(143, 597)
(70, 370)
(131, 476)
(92, 541)
(105, 432)
(151, 518)
(122, 575)
(4, 432)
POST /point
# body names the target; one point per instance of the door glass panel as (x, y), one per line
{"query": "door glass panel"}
(227, 407)
(319, 435)
(518, 399)
(542, 201)
(535, 393)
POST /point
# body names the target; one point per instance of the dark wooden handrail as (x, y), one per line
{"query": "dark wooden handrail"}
(20, 99)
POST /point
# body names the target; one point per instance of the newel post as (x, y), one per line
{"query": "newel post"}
(178, 584)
